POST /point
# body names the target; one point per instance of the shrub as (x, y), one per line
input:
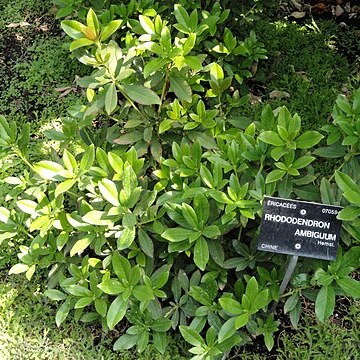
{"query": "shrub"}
(154, 217)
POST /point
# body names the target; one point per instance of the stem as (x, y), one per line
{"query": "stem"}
(239, 235)
(23, 158)
(132, 103)
(338, 169)
(351, 153)
(23, 230)
(163, 92)
(299, 289)
(220, 107)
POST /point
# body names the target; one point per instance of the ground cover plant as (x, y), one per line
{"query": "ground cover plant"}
(149, 208)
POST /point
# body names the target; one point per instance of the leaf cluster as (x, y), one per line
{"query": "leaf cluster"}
(155, 217)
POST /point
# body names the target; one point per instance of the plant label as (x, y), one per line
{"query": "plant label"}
(299, 228)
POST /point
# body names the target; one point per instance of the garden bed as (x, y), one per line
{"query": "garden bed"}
(310, 60)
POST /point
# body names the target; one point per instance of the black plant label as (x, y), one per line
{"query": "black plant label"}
(299, 228)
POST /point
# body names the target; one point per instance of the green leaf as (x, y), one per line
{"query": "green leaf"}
(141, 94)
(345, 182)
(231, 306)
(191, 336)
(216, 72)
(291, 302)
(274, 175)
(156, 149)
(63, 12)
(350, 286)
(182, 16)
(126, 238)
(353, 197)
(147, 24)
(343, 103)
(260, 301)
(69, 161)
(81, 303)
(332, 152)
(308, 139)
(160, 341)
(5, 216)
(121, 266)
(202, 206)
(64, 187)
(252, 289)
(161, 325)
(189, 43)
(206, 176)
(116, 312)
(62, 313)
(77, 290)
(18, 269)
(350, 140)
(5, 132)
(143, 293)
(190, 216)
(109, 29)
(201, 253)
(55, 295)
(201, 295)
(129, 138)
(294, 126)
(126, 342)
(269, 340)
(92, 21)
(351, 258)
(82, 244)
(177, 234)
(79, 43)
(349, 213)
(73, 28)
(116, 163)
(267, 117)
(88, 158)
(96, 217)
(13, 180)
(143, 341)
(220, 197)
(23, 137)
(193, 62)
(42, 222)
(295, 315)
(206, 141)
(272, 138)
(326, 192)
(111, 99)
(48, 170)
(153, 66)
(227, 330)
(145, 242)
(109, 191)
(181, 88)
(302, 162)
(241, 320)
(27, 206)
(356, 100)
(111, 286)
(211, 231)
(325, 303)
(101, 307)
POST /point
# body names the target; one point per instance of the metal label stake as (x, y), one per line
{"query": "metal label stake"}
(288, 273)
